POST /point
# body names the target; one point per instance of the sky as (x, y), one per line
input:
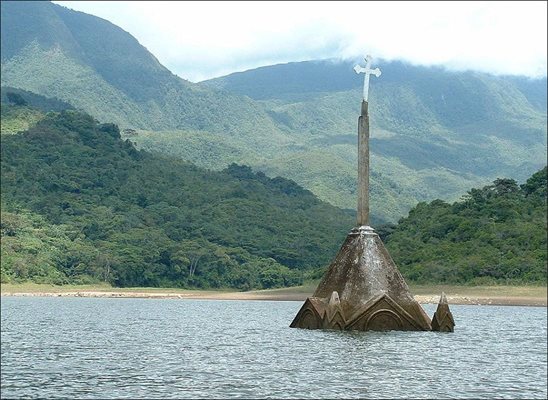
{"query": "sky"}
(205, 39)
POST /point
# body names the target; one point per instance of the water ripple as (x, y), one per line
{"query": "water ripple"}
(149, 348)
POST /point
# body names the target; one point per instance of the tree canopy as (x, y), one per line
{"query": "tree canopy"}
(79, 204)
(493, 234)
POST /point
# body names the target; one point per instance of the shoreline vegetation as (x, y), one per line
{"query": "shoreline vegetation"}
(424, 294)
(99, 210)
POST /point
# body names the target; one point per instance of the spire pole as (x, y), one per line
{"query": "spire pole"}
(363, 144)
(363, 166)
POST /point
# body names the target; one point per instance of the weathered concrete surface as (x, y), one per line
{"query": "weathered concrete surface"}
(363, 166)
(363, 289)
(369, 291)
(443, 321)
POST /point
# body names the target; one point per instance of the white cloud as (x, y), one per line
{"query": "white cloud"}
(199, 40)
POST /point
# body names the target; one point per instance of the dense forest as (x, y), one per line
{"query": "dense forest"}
(494, 234)
(81, 205)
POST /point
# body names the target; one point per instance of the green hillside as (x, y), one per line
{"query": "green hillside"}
(81, 205)
(39, 102)
(21, 109)
(496, 234)
(97, 67)
(18, 118)
(435, 133)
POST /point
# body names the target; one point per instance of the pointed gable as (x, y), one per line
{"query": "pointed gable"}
(382, 313)
(311, 315)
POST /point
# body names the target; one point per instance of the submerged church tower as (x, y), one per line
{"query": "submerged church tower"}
(363, 289)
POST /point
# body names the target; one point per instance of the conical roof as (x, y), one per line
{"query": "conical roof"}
(363, 270)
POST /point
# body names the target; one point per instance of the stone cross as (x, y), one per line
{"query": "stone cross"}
(367, 71)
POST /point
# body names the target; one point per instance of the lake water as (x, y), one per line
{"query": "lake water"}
(150, 348)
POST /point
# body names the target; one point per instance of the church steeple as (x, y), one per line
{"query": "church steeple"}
(363, 144)
(363, 288)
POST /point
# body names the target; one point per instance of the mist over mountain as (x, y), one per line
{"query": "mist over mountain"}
(309, 78)
(435, 133)
(98, 67)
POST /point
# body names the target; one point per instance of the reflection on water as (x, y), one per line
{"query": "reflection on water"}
(147, 348)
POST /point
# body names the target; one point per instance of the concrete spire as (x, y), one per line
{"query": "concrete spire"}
(363, 289)
(363, 143)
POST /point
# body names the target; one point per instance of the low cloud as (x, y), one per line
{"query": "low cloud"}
(200, 40)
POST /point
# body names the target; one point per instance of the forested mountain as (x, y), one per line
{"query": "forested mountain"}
(496, 234)
(81, 205)
(297, 81)
(99, 68)
(435, 133)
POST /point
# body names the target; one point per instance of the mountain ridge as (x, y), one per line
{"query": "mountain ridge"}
(57, 52)
(434, 133)
(465, 124)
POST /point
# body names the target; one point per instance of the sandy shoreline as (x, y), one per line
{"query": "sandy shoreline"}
(278, 296)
